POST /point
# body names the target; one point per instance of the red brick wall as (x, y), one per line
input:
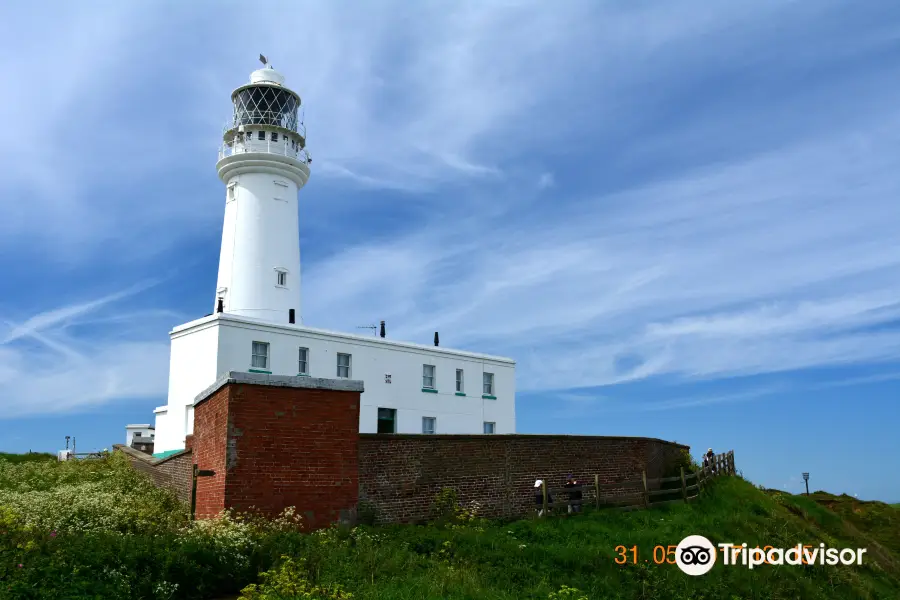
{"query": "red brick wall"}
(274, 447)
(209, 447)
(173, 472)
(399, 475)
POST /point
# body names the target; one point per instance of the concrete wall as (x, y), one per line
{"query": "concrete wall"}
(399, 475)
(214, 345)
(371, 359)
(192, 368)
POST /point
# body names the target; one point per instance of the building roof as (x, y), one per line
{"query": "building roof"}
(213, 319)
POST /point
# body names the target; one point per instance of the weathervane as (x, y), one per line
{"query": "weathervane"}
(263, 60)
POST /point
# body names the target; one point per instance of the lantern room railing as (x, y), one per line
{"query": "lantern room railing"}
(281, 148)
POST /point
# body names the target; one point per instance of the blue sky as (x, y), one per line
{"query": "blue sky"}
(680, 219)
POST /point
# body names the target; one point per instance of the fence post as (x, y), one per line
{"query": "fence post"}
(683, 486)
(597, 490)
(544, 492)
(646, 491)
(194, 491)
(731, 459)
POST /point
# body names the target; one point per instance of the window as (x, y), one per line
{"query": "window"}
(274, 137)
(428, 424)
(231, 191)
(459, 381)
(260, 358)
(281, 278)
(387, 420)
(488, 384)
(343, 366)
(303, 365)
(489, 427)
(428, 377)
(262, 136)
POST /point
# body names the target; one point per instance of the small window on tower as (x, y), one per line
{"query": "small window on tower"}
(281, 278)
(262, 136)
(274, 137)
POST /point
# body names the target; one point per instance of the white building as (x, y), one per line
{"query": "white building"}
(409, 388)
(141, 431)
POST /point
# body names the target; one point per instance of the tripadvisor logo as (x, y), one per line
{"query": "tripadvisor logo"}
(695, 555)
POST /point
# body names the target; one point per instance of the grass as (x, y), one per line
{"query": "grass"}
(455, 559)
(29, 457)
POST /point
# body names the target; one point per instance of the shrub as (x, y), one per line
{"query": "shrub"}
(567, 593)
(289, 581)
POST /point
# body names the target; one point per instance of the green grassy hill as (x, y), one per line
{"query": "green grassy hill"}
(98, 529)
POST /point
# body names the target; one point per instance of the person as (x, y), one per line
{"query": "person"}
(709, 461)
(539, 497)
(575, 494)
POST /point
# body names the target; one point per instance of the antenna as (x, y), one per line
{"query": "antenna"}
(374, 328)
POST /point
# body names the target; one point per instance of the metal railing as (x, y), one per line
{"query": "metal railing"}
(264, 147)
(253, 120)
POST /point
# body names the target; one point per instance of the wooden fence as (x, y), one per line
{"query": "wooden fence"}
(649, 492)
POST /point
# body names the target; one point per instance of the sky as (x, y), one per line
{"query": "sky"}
(679, 218)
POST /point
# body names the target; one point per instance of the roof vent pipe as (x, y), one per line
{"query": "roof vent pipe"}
(436, 342)
(382, 329)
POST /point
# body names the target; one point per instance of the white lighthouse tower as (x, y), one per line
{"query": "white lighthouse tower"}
(255, 328)
(263, 163)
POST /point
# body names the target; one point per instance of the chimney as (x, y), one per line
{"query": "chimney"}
(382, 329)
(436, 343)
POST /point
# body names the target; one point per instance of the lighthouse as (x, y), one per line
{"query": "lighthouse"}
(255, 328)
(263, 163)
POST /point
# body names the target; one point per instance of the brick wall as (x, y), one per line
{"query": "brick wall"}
(209, 445)
(173, 472)
(399, 475)
(276, 442)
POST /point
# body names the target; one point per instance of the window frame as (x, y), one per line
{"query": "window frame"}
(433, 422)
(488, 387)
(254, 355)
(460, 381)
(493, 425)
(433, 377)
(281, 277)
(393, 419)
(303, 352)
(348, 366)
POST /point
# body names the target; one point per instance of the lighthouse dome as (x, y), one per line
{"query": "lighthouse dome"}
(267, 75)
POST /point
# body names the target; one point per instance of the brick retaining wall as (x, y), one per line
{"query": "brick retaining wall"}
(173, 472)
(399, 475)
(276, 441)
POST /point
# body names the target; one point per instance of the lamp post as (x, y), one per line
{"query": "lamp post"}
(806, 480)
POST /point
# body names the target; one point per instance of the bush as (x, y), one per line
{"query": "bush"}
(289, 581)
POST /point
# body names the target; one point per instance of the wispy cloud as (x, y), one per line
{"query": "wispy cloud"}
(585, 187)
(63, 372)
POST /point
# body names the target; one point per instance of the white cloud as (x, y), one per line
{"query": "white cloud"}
(762, 254)
(762, 266)
(47, 369)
